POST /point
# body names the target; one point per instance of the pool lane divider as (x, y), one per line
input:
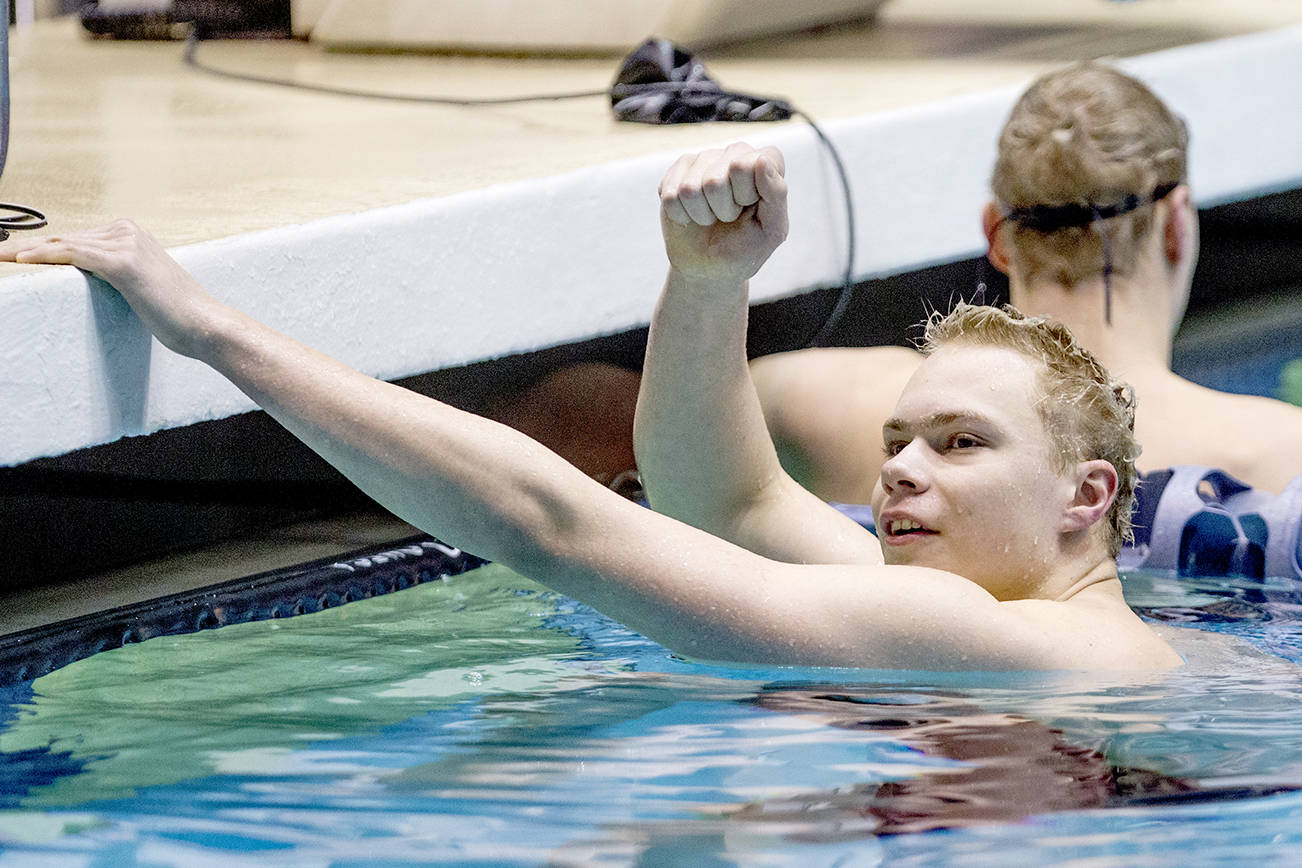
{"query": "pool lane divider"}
(282, 593)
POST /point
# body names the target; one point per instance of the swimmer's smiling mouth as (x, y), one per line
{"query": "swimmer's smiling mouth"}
(900, 530)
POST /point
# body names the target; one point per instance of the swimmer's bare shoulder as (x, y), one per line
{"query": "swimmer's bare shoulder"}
(1264, 433)
(909, 617)
(1097, 629)
(1252, 438)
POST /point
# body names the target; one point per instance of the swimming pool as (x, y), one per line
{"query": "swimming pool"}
(484, 720)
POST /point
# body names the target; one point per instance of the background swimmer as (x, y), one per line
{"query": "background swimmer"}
(1094, 140)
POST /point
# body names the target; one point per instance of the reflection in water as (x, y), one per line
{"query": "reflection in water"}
(22, 771)
(1012, 767)
(483, 720)
(975, 765)
(179, 708)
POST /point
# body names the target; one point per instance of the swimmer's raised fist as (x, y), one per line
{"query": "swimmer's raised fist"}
(724, 211)
(164, 295)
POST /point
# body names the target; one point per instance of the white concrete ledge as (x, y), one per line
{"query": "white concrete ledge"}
(511, 268)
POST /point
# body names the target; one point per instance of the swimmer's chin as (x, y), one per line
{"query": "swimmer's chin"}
(910, 556)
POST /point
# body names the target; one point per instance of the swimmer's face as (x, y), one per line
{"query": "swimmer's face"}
(968, 484)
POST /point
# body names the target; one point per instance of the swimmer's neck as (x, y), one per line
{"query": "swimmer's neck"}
(1100, 581)
(1135, 345)
(1086, 574)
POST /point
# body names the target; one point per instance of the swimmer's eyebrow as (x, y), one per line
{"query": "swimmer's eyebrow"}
(935, 420)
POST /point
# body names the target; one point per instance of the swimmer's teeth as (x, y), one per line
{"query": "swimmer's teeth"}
(904, 525)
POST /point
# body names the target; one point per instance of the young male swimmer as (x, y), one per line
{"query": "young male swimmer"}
(997, 543)
(1098, 141)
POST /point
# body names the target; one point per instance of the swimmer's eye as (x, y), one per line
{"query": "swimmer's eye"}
(963, 441)
(959, 441)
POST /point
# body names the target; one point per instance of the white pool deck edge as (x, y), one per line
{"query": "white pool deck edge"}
(442, 282)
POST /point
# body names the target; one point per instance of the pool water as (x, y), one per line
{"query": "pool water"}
(485, 721)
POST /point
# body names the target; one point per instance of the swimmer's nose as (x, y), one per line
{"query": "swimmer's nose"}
(906, 469)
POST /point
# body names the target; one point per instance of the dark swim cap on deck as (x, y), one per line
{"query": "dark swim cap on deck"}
(659, 83)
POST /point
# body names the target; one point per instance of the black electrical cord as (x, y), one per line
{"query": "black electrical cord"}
(192, 45)
(847, 280)
(620, 90)
(19, 217)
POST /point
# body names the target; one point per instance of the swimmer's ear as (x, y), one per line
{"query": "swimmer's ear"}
(1096, 486)
(1177, 225)
(997, 253)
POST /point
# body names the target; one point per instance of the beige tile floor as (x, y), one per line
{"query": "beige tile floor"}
(103, 129)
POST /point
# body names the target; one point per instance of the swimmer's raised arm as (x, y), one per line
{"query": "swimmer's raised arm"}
(702, 447)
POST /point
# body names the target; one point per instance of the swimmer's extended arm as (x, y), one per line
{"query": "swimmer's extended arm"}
(702, 447)
(493, 491)
(468, 480)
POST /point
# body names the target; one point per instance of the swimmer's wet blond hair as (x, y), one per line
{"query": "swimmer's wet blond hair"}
(1086, 135)
(1086, 413)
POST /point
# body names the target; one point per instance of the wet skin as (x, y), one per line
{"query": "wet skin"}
(969, 485)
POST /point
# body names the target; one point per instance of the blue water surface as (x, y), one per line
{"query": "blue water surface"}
(485, 721)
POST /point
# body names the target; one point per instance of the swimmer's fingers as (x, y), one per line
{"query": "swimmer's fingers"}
(60, 250)
(741, 174)
(771, 188)
(670, 205)
(19, 248)
(770, 173)
(100, 250)
(57, 251)
(690, 191)
(714, 186)
(728, 181)
(120, 252)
